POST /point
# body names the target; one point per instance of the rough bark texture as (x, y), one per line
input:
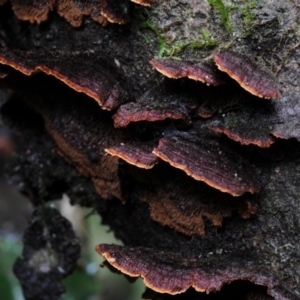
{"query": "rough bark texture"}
(61, 140)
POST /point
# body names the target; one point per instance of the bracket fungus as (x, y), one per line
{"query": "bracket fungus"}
(96, 76)
(167, 164)
(248, 74)
(208, 161)
(171, 273)
(138, 154)
(154, 106)
(200, 71)
(37, 11)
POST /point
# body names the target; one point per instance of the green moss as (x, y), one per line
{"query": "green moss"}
(224, 11)
(167, 48)
(248, 15)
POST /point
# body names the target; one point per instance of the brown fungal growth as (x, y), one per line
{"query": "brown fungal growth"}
(87, 73)
(115, 11)
(261, 140)
(137, 154)
(153, 106)
(182, 203)
(74, 12)
(255, 123)
(248, 74)
(144, 2)
(200, 71)
(34, 11)
(81, 143)
(208, 162)
(172, 273)
(37, 11)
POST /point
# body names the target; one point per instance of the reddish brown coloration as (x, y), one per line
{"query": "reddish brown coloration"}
(152, 107)
(137, 154)
(32, 10)
(203, 72)
(6, 146)
(248, 74)
(170, 272)
(115, 11)
(74, 10)
(182, 203)
(208, 163)
(80, 142)
(144, 2)
(265, 142)
(84, 72)
(252, 122)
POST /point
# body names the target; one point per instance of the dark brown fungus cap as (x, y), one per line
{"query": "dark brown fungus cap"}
(252, 77)
(137, 154)
(144, 2)
(172, 273)
(263, 141)
(152, 107)
(255, 123)
(74, 11)
(204, 72)
(209, 163)
(32, 10)
(88, 73)
(181, 203)
(80, 129)
(115, 11)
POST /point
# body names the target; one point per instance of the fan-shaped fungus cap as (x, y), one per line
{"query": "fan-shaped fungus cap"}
(94, 75)
(74, 10)
(32, 11)
(115, 11)
(213, 165)
(252, 77)
(152, 106)
(250, 123)
(144, 2)
(181, 203)
(170, 272)
(137, 154)
(204, 72)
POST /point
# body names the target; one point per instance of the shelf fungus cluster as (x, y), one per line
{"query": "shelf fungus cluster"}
(73, 11)
(198, 176)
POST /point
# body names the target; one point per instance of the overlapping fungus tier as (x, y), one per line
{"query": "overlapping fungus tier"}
(137, 154)
(74, 10)
(154, 106)
(201, 71)
(181, 203)
(85, 72)
(257, 123)
(206, 160)
(32, 11)
(81, 130)
(172, 273)
(252, 77)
